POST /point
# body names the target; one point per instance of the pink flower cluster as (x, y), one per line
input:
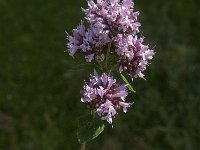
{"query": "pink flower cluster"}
(134, 55)
(113, 16)
(115, 22)
(105, 95)
(87, 42)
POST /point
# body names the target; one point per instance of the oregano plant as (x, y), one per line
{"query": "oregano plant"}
(108, 37)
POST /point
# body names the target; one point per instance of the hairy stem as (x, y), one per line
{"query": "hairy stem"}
(99, 65)
(83, 145)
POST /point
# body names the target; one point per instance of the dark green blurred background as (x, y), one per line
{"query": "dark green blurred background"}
(39, 83)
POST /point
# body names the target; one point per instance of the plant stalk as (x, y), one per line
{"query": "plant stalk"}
(115, 67)
(107, 55)
(83, 145)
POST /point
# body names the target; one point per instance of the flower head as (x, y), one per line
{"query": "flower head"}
(88, 42)
(134, 55)
(107, 20)
(76, 40)
(105, 95)
(114, 16)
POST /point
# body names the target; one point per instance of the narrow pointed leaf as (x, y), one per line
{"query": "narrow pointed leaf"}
(129, 85)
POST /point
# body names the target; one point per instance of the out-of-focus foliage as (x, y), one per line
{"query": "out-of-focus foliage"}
(39, 83)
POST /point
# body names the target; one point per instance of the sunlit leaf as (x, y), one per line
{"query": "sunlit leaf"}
(89, 128)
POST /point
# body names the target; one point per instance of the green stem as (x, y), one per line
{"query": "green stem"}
(83, 145)
(99, 64)
(107, 55)
(115, 67)
(93, 113)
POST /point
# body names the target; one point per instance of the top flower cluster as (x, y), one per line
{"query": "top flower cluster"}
(111, 22)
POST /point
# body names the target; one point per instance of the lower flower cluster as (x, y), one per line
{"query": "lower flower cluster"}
(103, 94)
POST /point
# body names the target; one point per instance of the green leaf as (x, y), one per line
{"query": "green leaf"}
(129, 85)
(89, 128)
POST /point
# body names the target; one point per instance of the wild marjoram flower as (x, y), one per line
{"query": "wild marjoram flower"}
(112, 28)
(105, 95)
(115, 22)
(133, 54)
